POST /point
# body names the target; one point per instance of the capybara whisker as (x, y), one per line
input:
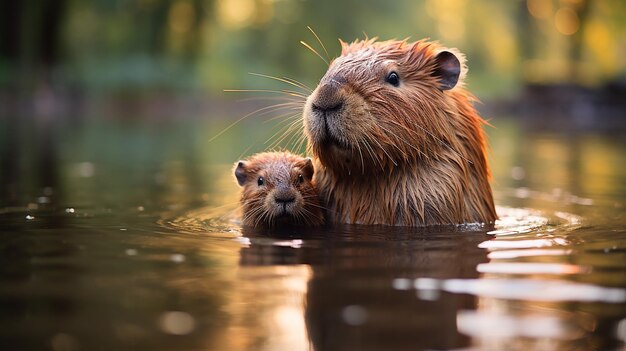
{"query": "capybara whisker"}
(282, 91)
(319, 41)
(304, 86)
(284, 132)
(314, 51)
(297, 85)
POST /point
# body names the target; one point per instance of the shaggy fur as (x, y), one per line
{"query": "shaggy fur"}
(284, 176)
(411, 154)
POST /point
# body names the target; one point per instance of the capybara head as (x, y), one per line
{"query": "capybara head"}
(383, 104)
(396, 138)
(278, 189)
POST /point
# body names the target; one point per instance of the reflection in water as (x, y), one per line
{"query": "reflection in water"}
(526, 253)
(349, 302)
(177, 323)
(266, 309)
(532, 268)
(523, 289)
(522, 244)
(145, 250)
(532, 331)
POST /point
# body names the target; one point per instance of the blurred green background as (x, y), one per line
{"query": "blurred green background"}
(110, 101)
(205, 46)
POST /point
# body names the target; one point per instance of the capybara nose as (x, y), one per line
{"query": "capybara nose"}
(284, 199)
(284, 196)
(329, 97)
(324, 108)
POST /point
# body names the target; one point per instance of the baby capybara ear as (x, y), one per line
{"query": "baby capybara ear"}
(240, 172)
(447, 69)
(307, 168)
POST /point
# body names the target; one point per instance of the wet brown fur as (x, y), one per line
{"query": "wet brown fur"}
(410, 155)
(281, 172)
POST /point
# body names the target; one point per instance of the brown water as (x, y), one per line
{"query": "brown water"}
(122, 235)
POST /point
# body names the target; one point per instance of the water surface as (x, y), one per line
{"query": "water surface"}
(124, 236)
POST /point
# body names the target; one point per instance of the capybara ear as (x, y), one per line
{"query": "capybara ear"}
(240, 172)
(307, 168)
(447, 69)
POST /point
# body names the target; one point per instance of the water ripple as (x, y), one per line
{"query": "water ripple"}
(518, 289)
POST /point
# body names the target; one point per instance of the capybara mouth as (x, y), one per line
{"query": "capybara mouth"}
(284, 211)
(325, 128)
(328, 138)
(284, 217)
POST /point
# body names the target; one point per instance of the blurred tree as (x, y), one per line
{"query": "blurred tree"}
(30, 36)
(582, 11)
(148, 44)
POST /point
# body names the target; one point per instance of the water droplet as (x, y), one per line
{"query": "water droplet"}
(401, 284)
(30, 217)
(178, 258)
(296, 243)
(518, 173)
(428, 294)
(123, 229)
(131, 252)
(354, 315)
(584, 201)
(177, 323)
(69, 210)
(244, 241)
(426, 284)
(522, 193)
(140, 208)
(86, 169)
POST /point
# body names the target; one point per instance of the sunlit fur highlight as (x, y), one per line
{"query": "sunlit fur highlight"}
(409, 155)
(279, 170)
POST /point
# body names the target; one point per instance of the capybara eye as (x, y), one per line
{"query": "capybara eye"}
(300, 178)
(393, 79)
(261, 181)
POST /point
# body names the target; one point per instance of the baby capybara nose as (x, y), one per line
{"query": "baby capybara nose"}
(284, 201)
(284, 196)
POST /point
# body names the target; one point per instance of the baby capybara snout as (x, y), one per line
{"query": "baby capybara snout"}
(284, 195)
